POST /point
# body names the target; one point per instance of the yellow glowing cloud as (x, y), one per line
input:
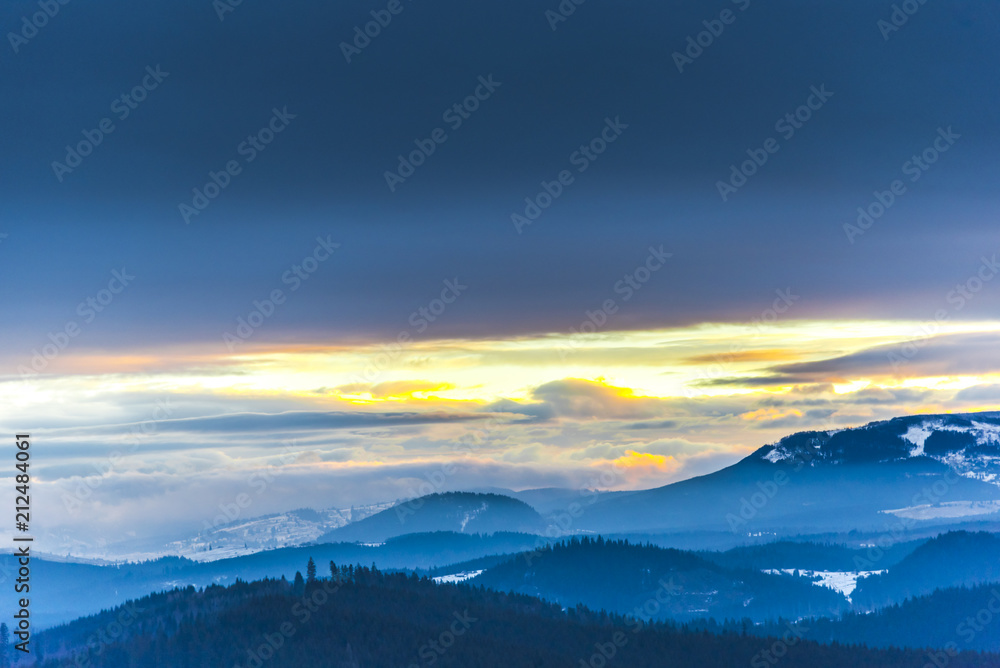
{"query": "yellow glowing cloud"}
(637, 372)
(645, 460)
(580, 398)
(399, 390)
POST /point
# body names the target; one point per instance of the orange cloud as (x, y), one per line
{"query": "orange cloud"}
(770, 355)
(767, 414)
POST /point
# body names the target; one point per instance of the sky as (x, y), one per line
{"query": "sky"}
(517, 243)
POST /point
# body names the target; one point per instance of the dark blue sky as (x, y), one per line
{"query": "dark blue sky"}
(324, 174)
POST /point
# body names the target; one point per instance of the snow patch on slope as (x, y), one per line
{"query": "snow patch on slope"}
(456, 577)
(471, 515)
(844, 582)
(776, 455)
(917, 435)
(989, 434)
(972, 465)
(947, 509)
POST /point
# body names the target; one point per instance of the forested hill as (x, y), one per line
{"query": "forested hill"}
(365, 619)
(943, 622)
(954, 559)
(461, 512)
(619, 576)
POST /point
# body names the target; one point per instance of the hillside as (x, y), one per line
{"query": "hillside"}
(808, 556)
(954, 559)
(365, 618)
(946, 616)
(655, 583)
(461, 512)
(63, 590)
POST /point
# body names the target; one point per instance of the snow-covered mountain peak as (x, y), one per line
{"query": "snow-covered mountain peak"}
(968, 443)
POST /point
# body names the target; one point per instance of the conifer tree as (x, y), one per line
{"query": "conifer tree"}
(298, 585)
(4, 646)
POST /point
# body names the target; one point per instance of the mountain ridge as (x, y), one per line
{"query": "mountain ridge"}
(967, 442)
(883, 473)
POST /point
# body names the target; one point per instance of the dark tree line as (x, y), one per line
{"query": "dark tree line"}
(360, 617)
